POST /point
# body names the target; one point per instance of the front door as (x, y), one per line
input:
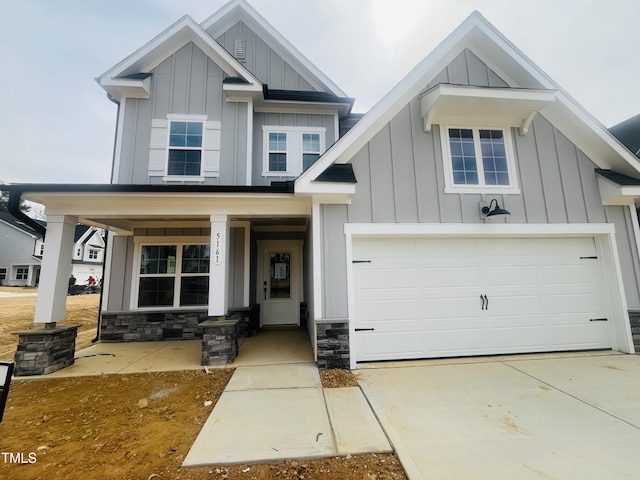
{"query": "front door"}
(279, 282)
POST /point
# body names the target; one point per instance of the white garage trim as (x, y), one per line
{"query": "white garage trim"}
(604, 235)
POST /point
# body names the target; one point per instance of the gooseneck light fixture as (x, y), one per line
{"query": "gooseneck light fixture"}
(494, 210)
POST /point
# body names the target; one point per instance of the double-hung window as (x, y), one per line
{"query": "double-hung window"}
(479, 160)
(288, 151)
(185, 148)
(22, 273)
(175, 275)
(93, 254)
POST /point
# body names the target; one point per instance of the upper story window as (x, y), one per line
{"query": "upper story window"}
(185, 148)
(478, 160)
(288, 151)
(93, 254)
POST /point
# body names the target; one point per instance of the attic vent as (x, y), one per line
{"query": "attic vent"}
(240, 48)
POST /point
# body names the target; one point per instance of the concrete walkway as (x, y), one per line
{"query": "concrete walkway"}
(270, 413)
(525, 418)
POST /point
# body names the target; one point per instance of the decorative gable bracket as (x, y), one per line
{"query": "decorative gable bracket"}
(478, 106)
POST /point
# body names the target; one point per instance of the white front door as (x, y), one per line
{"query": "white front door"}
(279, 286)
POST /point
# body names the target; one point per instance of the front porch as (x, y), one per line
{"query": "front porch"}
(269, 347)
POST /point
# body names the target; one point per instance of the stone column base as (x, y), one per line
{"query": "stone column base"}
(219, 341)
(45, 350)
(634, 319)
(332, 343)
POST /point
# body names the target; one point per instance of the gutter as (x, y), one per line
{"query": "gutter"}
(15, 196)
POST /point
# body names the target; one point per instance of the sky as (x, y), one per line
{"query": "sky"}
(57, 126)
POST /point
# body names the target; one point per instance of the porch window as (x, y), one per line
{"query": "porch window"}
(174, 275)
(22, 273)
(3, 275)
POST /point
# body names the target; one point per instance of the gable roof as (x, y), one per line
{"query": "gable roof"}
(128, 77)
(515, 68)
(24, 228)
(241, 11)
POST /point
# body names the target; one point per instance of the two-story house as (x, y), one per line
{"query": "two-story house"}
(476, 209)
(22, 248)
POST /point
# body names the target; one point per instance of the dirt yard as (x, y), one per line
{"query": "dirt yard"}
(136, 426)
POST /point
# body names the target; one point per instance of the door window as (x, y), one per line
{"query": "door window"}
(280, 275)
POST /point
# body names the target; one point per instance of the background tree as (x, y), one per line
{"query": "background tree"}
(4, 202)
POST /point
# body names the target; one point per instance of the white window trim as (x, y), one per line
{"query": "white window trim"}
(135, 284)
(95, 252)
(450, 187)
(294, 148)
(174, 117)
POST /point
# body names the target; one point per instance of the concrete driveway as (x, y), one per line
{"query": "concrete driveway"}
(522, 417)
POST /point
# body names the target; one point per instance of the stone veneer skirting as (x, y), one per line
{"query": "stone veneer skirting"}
(634, 320)
(45, 350)
(219, 341)
(333, 343)
(138, 326)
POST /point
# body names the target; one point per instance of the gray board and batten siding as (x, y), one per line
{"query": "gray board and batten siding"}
(188, 82)
(262, 61)
(401, 180)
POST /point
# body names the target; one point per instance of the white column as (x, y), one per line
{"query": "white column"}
(219, 266)
(56, 268)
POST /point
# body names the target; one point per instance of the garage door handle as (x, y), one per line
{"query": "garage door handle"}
(365, 329)
(599, 320)
(485, 302)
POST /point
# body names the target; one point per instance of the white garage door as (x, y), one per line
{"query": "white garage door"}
(424, 297)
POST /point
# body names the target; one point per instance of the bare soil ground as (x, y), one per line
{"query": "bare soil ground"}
(135, 426)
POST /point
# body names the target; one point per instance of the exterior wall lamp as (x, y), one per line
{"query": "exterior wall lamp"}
(493, 210)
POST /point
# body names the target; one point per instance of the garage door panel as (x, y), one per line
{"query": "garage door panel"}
(392, 344)
(386, 247)
(439, 308)
(510, 275)
(541, 296)
(453, 247)
(463, 341)
(567, 274)
(378, 279)
(450, 277)
(594, 335)
(564, 247)
(571, 304)
(513, 306)
(382, 310)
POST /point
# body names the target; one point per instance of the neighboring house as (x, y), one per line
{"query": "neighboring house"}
(88, 254)
(21, 250)
(20, 253)
(628, 132)
(231, 188)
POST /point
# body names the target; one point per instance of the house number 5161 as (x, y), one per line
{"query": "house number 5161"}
(217, 248)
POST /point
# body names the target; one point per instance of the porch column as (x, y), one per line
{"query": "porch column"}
(219, 266)
(55, 270)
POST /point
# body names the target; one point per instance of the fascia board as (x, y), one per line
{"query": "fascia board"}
(240, 10)
(613, 194)
(171, 40)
